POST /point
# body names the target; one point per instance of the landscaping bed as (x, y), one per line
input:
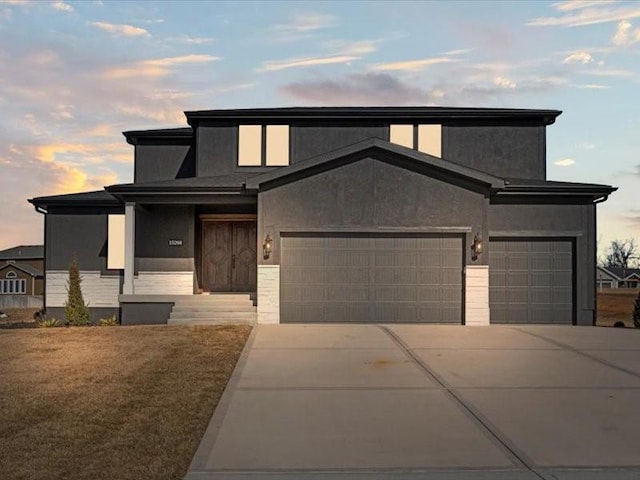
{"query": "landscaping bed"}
(110, 402)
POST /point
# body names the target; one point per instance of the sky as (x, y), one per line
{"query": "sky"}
(74, 75)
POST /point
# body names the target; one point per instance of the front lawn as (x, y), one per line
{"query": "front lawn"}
(616, 305)
(110, 402)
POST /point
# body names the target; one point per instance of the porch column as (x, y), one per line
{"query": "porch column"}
(129, 247)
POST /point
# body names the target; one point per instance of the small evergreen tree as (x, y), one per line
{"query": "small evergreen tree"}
(76, 311)
(636, 312)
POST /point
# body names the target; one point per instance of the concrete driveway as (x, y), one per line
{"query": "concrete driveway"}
(432, 402)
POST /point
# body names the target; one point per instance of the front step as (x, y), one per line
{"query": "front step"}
(214, 309)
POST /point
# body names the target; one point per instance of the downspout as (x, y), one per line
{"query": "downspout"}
(43, 211)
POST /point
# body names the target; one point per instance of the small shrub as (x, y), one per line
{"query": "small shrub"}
(76, 312)
(636, 312)
(48, 323)
(108, 322)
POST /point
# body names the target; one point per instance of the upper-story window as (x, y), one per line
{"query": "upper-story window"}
(12, 275)
(426, 138)
(263, 145)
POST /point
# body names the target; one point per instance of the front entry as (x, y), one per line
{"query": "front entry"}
(229, 256)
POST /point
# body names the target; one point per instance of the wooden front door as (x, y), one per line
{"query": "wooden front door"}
(229, 256)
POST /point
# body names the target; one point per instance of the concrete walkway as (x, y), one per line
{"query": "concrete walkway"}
(428, 402)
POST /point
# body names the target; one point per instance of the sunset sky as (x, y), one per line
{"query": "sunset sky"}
(74, 75)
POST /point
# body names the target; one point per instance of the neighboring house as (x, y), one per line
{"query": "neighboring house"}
(617, 277)
(21, 270)
(337, 214)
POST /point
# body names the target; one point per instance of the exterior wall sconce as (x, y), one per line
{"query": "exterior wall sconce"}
(267, 247)
(476, 246)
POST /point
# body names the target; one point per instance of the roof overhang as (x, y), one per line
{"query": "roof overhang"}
(173, 135)
(434, 114)
(96, 199)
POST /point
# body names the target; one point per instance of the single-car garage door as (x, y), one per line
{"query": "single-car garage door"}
(531, 281)
(371, 278)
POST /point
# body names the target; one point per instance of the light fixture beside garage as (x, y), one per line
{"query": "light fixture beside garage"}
(267, 246)
(476, 246)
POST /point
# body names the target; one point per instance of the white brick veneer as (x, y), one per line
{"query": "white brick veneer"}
(97, 290)
(268, 293)
(163, 283)
(477, 295)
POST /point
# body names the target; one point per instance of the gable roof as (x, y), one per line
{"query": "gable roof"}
(25, 252)
(25, 267)
(620, 273)
(380, 150)
(544, 117)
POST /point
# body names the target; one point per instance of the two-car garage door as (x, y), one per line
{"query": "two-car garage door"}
(371, 278)
(418, 279)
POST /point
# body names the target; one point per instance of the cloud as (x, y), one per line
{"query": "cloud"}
(62, 6)
(593, 86)
(611, 72)
(156, 67)
(577, 14)
(194, 40)
(579, 57)
(121, 29)
(271, 66)
(358, 89)
(504, 82)
(580, 4)
(624, 35)
(461, 51)
(411, 65)
(565, 162)
(307, 22)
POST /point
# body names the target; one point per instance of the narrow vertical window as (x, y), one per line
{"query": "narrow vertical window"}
(250, 145)
(430, 139)
(115, 242)
(277, 145)
(401, 135)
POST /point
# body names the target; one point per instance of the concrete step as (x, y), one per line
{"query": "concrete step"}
(211, 315)
(200, 321)
(225, 307)
(219, 297)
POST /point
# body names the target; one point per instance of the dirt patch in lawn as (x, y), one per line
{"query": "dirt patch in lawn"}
(616, 305)
(18, 317)
(110, 402)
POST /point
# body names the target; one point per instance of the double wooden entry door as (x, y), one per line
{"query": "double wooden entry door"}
(229, 256)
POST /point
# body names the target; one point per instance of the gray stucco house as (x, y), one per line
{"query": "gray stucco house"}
(350, 214)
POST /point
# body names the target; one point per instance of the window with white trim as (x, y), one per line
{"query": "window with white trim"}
(263, 145)
(426, 138)
(12, 284)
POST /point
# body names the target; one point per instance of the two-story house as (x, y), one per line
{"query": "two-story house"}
(346, 214)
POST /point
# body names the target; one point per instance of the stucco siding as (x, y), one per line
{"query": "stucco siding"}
(505, 150)
(369, 195)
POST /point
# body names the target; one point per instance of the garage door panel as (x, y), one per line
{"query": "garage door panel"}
(531, 281)
(376, 278)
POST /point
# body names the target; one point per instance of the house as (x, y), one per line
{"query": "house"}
(617, 277)
(335, 214)
(21, 270)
